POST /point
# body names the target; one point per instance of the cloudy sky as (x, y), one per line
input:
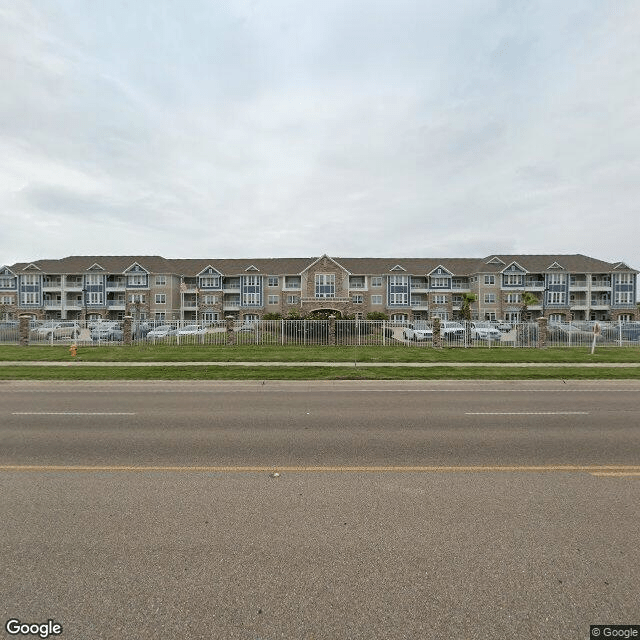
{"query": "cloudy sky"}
(264, 128)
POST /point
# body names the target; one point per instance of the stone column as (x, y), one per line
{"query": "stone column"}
(332, 330)
(23, 330)
(127, 334)
(542, 332)
(231, 336)
(437, 336)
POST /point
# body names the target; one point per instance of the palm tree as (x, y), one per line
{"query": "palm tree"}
(528, 300)
(467, 300)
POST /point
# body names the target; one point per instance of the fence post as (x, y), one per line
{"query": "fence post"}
(231, 338)
(437, 337)
(332, 330)
(384, 332)
(542, 333)
(282, 331)
(127, 336)
(23, 330)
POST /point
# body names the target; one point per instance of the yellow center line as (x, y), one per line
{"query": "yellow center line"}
(592, 469)
(615, 474)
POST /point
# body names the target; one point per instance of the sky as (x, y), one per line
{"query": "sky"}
(292, 128)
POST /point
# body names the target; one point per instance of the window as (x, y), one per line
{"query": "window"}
(137, 298)
(376, 281)
(161, 298)
(514, 298)
(440, 299)
(292, 282)
(513, 279)
(207, 299)
(491, 315)
(6, 300)
(555, 317)
(6, 282)
(489, 279)
(138, 280)
(29, 297)
(251, 299)
(357, 299)
(273, 281)
(160, 315)
(441, 283)
(95, 297)
(624, 278)
(557, 297)
(293, 299)
(93, 279)
(161, 281)
(623, 297)
(210, 316)
(210, 282)
(398, 317)
(325, 285)
(398, 298)
(356, 282)
(489, 298)
(273, 299)
(376, 299)
(557, 278)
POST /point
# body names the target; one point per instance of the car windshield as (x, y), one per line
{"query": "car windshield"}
(164, 327)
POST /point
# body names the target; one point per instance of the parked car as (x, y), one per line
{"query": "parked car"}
(57, 330)
(485, 331)
(162, 331)
(451, 330)
(107, 331)
(192, 330)
(417, 332)
(9, 330)
(625, 330)
(246, 328)
(501, 325)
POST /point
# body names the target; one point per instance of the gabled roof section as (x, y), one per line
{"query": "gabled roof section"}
(136, 267)
(209, 271)
(495, 260)
(95, 267)
(5, 271)
(556, 265)
(252, 267)
(330, 259)
(622, 265)
(514, 267)
(440, 270)
(32, 267)
(398, 267)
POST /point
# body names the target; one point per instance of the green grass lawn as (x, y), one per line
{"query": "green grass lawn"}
(70, 372)
(253, 353)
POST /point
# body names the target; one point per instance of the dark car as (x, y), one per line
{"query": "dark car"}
(107, 332)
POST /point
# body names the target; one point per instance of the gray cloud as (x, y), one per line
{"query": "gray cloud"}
(296, 128)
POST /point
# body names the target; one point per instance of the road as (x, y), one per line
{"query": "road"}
(401, 509)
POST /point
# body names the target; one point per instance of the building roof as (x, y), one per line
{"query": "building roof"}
(495, 263)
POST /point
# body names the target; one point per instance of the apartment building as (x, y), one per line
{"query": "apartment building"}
(564, 287)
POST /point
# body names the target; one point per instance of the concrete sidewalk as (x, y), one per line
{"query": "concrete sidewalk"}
(417, 365)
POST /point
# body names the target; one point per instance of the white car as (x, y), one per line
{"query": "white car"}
(485, 331)
(192, 330)
(451, 330)
(417, 332)
(162, 331)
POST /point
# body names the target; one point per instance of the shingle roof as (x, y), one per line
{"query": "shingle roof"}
(358, 266)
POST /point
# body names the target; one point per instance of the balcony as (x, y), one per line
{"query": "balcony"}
(52, 304)
(73, 284)
(52, 284)
(119, 284)
(534, 285)
(601, 284)
(578, 284)
(117, 305)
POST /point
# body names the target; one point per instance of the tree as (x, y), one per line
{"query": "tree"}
(528, 300)
(467, 300)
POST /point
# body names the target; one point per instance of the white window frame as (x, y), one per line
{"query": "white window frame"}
(376, 281)
(489, 279)
(376, 299)
(273, 299)
(273, 281)
(489, 298)
(161, 298)
(161, 281)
